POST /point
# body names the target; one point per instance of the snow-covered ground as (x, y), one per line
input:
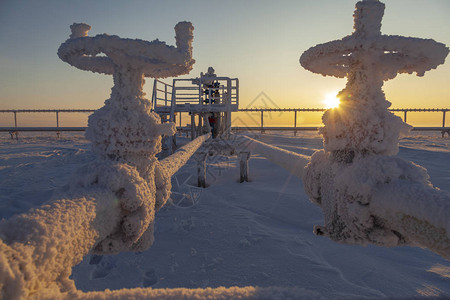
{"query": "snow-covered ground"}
(237, 234)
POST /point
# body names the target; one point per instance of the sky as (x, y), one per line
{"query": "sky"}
(259, 42)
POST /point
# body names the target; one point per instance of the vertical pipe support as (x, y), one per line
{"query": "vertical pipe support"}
(228, 105)
(58, 134)
(200, 89)
(192, 125)
(295, 122)
(443, 118)
(201, 169)
(165, 94)
(262, 121)
(154, 94)
(243, 166)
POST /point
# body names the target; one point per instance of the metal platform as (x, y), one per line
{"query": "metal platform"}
(208, 99)
(190, 95)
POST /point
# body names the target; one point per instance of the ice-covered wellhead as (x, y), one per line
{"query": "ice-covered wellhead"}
(350, 177)
(109, 205)
(125, 131)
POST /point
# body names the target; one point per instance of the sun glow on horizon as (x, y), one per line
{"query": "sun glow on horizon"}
(331, 100)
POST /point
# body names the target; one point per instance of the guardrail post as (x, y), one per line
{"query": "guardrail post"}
(262, 121)
(243, 164)
(192, 125)
(15, 119)
(295, 122)
(165, 94)
(201, 169)
(443, 118)
(200, 92)
(404, 119)
(58, 134)
(154, 94)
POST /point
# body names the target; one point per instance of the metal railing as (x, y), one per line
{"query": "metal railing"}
(175, 97)
(296, 110)
(162, 94)
(225, 91)
(167, 90)
(56, 111)
(406, 110)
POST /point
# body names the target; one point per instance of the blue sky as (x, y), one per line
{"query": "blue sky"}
(259, 42)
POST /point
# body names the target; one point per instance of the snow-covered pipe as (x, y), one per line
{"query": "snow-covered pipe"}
(174, 162)
(293, 162)
(223, 293)
(381, 200)
(420, 214)
(168, 166)
(38, 249)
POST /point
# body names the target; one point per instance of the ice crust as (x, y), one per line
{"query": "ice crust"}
(154, 59)
(371, 199)
(364, 190)
(109, 205)
(367, 195)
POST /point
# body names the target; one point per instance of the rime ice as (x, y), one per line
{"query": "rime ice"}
(125, 130)
(361, 135)
(109, 205)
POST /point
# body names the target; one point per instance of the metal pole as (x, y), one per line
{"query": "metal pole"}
(165, 94)
(200, 89)
(443, 118)
(237, 92)
(243, 164)
(15, 119)
(57, 119)
(404, 119)
(262, 121)
(228, 105)
(154, 94)
(192, 125)
(201, 169)
(295, 122)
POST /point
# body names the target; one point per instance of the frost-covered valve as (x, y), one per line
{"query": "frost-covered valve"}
(125, 133)
(350, 177)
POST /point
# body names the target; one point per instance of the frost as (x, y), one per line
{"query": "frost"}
(368, 195)
(367, 58)
(109, 205)
(154, 59)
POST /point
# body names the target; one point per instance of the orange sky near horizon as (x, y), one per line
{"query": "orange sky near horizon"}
(260, 43)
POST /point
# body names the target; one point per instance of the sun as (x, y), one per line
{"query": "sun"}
(331, 101)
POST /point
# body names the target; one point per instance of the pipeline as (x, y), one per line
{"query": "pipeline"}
(174, 162)
(108, 207)
(381, 200)
(293, 162)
